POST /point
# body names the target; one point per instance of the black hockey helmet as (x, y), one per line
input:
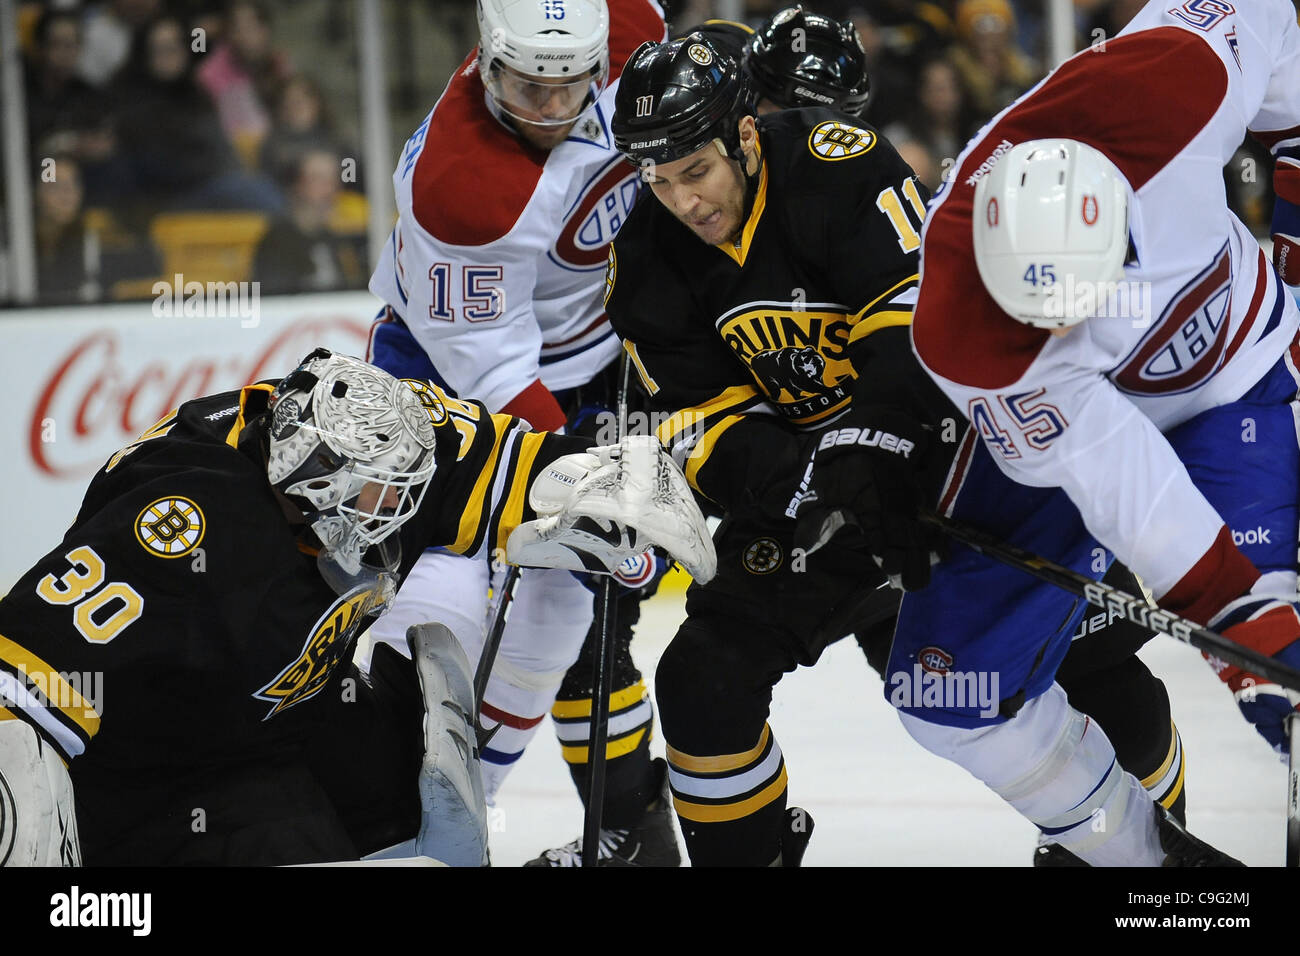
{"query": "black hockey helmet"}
(806, 59)
(675, 98)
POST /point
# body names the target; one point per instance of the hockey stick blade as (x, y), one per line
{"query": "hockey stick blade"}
(500, 612)
(1293, 792)
(1112, 599)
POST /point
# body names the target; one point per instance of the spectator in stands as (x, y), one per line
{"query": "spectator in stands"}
(169, 127)
(74, 262)
(110, 27)
(303, 252)
(993, 69)
(941, 121)
(301, 121)
(242, 75)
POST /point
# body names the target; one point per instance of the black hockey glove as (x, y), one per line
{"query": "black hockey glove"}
(865, 472)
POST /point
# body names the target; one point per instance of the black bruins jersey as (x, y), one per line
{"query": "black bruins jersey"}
(810, 308)
(182, 624)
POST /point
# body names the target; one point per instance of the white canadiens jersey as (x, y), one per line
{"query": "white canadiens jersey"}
(497, 262)
(1168, 101)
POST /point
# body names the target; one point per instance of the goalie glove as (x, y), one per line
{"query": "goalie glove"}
(38, 820)
(599, 508)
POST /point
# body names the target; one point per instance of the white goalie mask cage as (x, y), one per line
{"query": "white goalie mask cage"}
(353, 447)
(533, 50)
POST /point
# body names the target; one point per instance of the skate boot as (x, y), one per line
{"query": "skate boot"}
(652, 842)
(795, 837)
(1183, 849)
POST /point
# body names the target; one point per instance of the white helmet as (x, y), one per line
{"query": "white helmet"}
(1050, 218)
(553, 41)
(338, 425)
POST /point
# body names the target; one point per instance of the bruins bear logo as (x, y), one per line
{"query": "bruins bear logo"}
(797, 370)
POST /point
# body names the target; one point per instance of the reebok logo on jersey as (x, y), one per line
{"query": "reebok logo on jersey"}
(983, 169)
(1253, 536)
(867, 438)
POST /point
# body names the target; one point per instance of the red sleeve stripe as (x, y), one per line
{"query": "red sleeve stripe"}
(1222, 574)
(1271, 138)
(538, 407)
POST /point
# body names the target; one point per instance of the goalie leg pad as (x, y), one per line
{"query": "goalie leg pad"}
(38, 821)
(453, 827)
(1058, 769)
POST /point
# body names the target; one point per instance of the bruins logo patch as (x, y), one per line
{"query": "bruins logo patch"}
(700, 54)
(611, 273)
(170, 527)
(835, 140)
(431, 402)
(763, 556)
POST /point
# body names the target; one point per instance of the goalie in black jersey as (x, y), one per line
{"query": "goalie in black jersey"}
(186, 651)
(764, 294)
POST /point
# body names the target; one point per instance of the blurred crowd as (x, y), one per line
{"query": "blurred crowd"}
(175, 136)
(180, 137)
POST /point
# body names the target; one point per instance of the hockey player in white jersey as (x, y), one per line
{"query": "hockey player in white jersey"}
(1128, 356)
(508, 195)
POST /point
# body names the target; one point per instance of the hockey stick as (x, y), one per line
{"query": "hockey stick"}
(1293, 792)
(500, 611)
(1112, 599)
(602, 682)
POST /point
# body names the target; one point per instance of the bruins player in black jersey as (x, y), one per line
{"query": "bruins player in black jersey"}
(762, 292)
(186, 651)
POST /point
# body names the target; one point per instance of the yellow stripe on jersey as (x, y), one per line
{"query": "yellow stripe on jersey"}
(613, 749)
(723, 762)
(471, 518)
(877, 321)
(894, 289)
(513, 513)
(704, 447)
(619, 700)
(696, 417)
(63, 696)
(721, 813)
(739, 252)
(245, 393)
(651, 386)
(6, 714)
(1168, 762)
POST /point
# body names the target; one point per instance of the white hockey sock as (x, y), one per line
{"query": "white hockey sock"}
(1058, 769)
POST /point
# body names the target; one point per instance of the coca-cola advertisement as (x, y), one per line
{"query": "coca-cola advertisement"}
(83, 382)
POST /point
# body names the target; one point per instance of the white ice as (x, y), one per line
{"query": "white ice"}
(878, 799)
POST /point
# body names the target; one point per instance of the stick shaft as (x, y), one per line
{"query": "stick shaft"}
(1110, 598)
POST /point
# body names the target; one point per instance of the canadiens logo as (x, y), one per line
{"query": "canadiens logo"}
(798, 356)
(329, 639)
(835, 140)
(170, 527)
(991, 212)
(1090, 210)
(762, 556)
(934, 660)
(595, 218)
(1187, 343)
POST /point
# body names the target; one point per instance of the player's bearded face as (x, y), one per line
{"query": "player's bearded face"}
(705, 190)
(543, 109)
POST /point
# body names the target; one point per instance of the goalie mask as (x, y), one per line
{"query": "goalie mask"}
(352, 447)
